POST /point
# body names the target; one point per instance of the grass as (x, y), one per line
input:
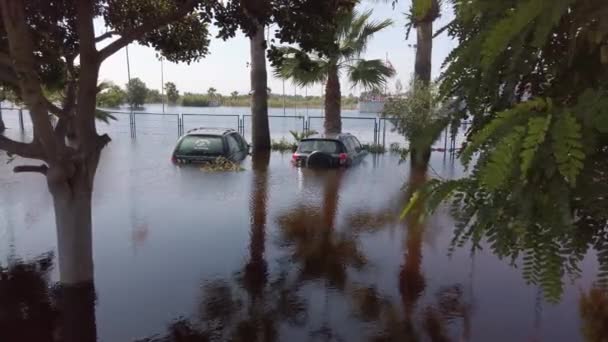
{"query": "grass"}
(222, 164)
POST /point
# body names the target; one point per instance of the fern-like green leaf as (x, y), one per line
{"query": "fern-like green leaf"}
(537, 132)
(510, 27)
(502, 121)
(495, 174)
(568, 147)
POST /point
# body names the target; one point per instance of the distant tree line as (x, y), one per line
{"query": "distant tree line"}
(135, 94)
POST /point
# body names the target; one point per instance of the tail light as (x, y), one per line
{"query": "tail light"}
(173, 159)
(343, 158)
(294, 157)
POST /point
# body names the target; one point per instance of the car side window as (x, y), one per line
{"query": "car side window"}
(356, 144)
(350, 146)
(233, 145)
(242, 143)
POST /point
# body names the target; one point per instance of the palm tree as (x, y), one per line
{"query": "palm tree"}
(352, 34)
(259, 88)
(422, 15)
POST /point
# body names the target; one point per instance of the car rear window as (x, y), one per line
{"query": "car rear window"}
(326, 146)
(208, 145)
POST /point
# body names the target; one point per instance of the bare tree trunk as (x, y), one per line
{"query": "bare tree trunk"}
(333, 102)
(72, 202)
(259, 98)
(419, 159)
(2, 126)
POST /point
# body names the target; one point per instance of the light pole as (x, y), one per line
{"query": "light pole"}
(284, 105)
(162, 84)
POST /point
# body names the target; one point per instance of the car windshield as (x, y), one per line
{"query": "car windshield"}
(201, 145)
(326, 146)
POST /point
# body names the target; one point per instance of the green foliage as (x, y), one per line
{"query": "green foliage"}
(195, 100)
(283, 145)
(111, 97)
(298, 136)
(153, 96)
(171, 92)
(419, 115)
(350, 40)
(374, 148)
(495, 173)
(537, 132)
(104, 116)
(568, 147)
(136, 93)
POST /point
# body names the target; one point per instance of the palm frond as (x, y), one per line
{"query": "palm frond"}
(301, 68)
(104, 116)
(355, 36)
(370, 73)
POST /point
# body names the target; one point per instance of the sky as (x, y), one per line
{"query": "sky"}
(225, 68)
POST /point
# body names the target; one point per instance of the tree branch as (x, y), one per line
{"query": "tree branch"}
(24, 150)
(31, 168)
(105, 36)
(138, 32)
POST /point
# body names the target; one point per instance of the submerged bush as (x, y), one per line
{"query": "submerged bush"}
(283, 145)
(374, 148)
(222, 164)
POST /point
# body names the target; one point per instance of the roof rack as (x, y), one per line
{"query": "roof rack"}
(211, 129)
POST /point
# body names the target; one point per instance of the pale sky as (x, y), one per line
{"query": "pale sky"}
(225, 68)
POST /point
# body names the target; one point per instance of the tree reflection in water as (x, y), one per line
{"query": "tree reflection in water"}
(251, 305)
(31, 309)
(410, 325)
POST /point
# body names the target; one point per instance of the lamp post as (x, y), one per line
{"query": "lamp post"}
(162, 84)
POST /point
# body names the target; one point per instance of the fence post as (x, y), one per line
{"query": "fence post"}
(384, 134)
(21, 120)
(376, 140)
(179, 131)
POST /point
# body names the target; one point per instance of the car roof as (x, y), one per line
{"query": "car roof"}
(210, 131)
(330, 136)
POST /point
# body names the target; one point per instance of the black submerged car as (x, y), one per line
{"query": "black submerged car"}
(202, 145)
(331, 150)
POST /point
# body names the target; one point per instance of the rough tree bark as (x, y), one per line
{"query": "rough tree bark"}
(424, 52)
(2, 126)
(259, 87)
(333, 98)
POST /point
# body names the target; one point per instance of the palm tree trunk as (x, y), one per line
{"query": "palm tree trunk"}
(259, 86)
(424, 52)
(333, 98)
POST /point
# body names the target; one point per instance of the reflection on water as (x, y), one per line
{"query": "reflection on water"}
(32, 309)
(274, 253)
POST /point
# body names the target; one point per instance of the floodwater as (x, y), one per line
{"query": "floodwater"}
(272, 253)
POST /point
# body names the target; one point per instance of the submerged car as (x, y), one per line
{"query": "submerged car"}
(327, 151)
(202, 145)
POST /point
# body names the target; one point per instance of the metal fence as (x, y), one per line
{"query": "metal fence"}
(369, 130)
